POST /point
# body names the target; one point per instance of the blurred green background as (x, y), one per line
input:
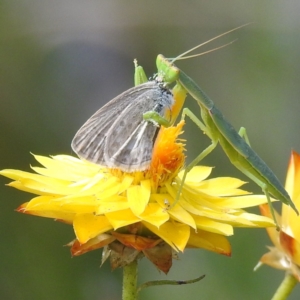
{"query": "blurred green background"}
(62, 60)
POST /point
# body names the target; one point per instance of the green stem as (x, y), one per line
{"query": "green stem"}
(130, 281)
(285, 288)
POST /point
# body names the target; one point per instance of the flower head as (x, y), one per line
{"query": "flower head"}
(136, 214)
(285, 254)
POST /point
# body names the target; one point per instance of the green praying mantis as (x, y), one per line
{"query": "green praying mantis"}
(218, 129)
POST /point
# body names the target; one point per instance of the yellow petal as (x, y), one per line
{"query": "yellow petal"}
(42, 185)
(125, 184)
(112, 204)
(200, 206)
(82, 205)
(252, 220)
(182, 216)
(290, 220)
(201, 200)
(222, 186)
(43, 208)
(177, 212)
(17, 174)
(107, 192)
(67, 167)
(34, 183)
(209, 241)
(138, 196)
(85, 204)
(210, 225)
(234, 217)
(242, 201)
(197, 174)
(291, 225)
(173, 233)
(104, 188)
(121, 218)
(155, 215)
(87, 226)
(293, 176)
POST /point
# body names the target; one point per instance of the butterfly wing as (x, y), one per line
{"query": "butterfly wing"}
(129, 144)
(111, 120)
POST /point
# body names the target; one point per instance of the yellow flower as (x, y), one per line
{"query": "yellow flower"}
(286, 253)
(134, 214)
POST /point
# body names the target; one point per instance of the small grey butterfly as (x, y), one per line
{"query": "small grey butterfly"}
(117, 136)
